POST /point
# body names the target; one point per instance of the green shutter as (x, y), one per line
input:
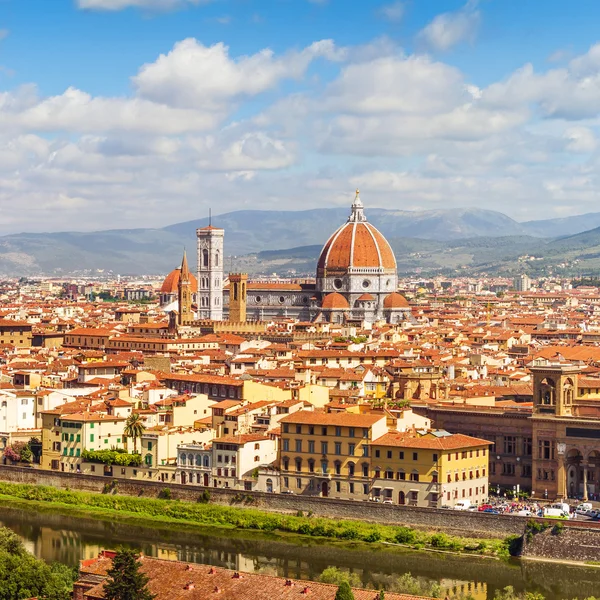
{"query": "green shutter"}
(91, 437)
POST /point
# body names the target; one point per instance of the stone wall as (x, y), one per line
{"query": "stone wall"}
(579, 544)
(458, 522)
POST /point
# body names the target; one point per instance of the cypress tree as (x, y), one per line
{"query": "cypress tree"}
(125, 580)
(344, 592)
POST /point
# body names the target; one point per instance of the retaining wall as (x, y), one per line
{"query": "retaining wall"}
(458, 522)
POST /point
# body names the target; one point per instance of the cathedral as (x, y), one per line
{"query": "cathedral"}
(356, 281)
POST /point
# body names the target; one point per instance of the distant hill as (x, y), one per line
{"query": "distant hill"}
(444, 240)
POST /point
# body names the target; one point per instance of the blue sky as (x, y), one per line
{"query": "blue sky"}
(128, 113)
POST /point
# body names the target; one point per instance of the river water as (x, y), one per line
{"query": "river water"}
(56, 537)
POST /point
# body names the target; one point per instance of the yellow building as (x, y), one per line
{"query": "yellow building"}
(431, 469)
(15, 333)
(328, 454)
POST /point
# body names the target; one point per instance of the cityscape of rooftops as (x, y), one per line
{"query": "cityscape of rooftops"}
(299, 298)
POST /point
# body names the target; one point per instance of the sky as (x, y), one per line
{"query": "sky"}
(119, 114)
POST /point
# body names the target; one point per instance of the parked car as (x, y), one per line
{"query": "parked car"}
(388, 501)
(483, 507)
(462, 505)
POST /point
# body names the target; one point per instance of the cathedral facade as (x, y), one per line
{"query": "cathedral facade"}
(356, 281)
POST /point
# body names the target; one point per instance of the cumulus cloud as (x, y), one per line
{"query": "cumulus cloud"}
(149, 4)
(448, 29)
(194, 75)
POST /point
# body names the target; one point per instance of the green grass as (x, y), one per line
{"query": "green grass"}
(200, 514)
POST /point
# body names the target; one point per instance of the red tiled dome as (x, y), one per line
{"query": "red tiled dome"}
(366, 298)
(335, 301)
(355, 244)
(171, 282)
(395, 300)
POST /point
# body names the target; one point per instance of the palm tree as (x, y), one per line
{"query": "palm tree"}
(134, 428)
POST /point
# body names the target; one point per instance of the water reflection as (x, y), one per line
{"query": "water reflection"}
(56, 537)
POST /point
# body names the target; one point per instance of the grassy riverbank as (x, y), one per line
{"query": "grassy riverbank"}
(149, 511)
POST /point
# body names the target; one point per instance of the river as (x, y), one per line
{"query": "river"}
(56, 537)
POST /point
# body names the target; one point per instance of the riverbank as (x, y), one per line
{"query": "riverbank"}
(150, 511)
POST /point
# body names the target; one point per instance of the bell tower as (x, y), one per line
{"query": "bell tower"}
(184, 294)
(210, 273)
(554, 387)
(238, 297)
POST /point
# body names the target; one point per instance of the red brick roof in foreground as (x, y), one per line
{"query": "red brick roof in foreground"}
(174, 580)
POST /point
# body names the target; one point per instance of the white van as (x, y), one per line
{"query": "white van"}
(562, 506)
(583, 508)
(555, 513)
(462, 505)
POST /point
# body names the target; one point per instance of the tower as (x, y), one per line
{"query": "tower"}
(237, 297)
(184, 294)
(210, 273)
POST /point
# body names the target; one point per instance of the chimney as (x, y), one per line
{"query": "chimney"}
(306, 590)
(211, 571)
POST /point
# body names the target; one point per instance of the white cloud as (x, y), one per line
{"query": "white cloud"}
(196, 76)
(448, 29)
(580, 139)
(393, 12)
(149, 4)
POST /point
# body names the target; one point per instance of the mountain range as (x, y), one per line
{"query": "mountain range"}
(265, 241)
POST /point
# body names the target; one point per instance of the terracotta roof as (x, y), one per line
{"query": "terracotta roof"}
(174, 580)
(342, 419)
(395, 300)
(335, 301)
(455, 441)
(171, 283)
(355, 244)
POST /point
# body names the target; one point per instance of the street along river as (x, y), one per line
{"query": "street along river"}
(56, 537)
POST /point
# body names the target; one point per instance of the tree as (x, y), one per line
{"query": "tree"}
(125, 580)
(344, 592)
(134, 428)
(24, 576)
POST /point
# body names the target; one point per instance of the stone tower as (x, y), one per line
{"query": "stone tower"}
(210, 273)
(238, 297)
(184, 294)
(554, 387)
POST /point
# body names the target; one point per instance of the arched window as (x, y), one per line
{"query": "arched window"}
(257, 459)
(311, 465)
(217, 258)
(182, 459)
(350, 469)
(205, 461)
(286, 464)
(205, 258)
(298, 464)
(198, 460)
(257, 446)
(190, 459)
(338, 467)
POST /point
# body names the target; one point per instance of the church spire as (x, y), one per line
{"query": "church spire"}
(358, 213)
(184, 276)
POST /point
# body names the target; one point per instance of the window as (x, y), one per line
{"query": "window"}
(311, 430)
(298, 465)
(435, 457)
(389, 454)
(298, 428)
(351, 432)
(149, 446)
(324, 466)
(338, 431)
(311, 465)
(286, 482)
(338, 448)
(351, 488)
(338, 487)
(401, 455)
(286, 464)
(365, 469)
(351, 449)
(311, 446)
(414, 476)
(401, 476)
(389, 474)
(298, 482)
(510, 444)
(434, 477)
(365, 450)
(365, 432)
(415, 456)
(323, 430)
(286, 445)
(527, 448)
(338, 467)
(377, 453)
(286, 428)
(351, 469)
(298, 445)
(91, 437)
(545, 450)
(324, 448)
(365, 488)
(508, 469)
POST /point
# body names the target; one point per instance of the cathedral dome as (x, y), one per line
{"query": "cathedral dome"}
(171, 283)
(335, 301)
(356, 245)
(395, 300)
